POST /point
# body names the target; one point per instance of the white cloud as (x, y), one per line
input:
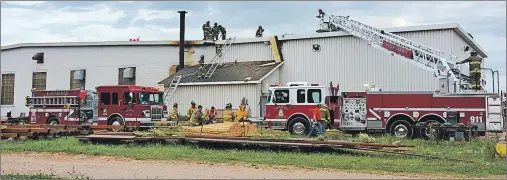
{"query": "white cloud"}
(149, 14)
(24, 3)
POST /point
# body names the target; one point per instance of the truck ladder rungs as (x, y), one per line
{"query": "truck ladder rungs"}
(175, 81)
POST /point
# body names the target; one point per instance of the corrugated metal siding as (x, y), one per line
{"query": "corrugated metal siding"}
(273, 78)
(351, 62)
(218, 96)
(257, 51)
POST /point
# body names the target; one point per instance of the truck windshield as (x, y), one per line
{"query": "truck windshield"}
(150, 98)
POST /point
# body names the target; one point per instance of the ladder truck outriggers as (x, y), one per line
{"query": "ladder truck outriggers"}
(402, 113)
(130, 106)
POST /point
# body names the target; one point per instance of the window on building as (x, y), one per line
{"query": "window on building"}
(77, 83)
(39, 80)
(282, 96)
(7, 89)
(127, 80)
(314, 96)
(301, 95)
(105, 98)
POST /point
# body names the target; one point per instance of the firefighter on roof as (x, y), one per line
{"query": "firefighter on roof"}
(321, 14)
(259, 32)
(174, 112)
(206, 28)
(227, 115)
(474, 69)
(215, 30)
(241, 114)
(222, 31)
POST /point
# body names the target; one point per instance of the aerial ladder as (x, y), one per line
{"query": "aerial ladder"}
(44, 101)
(443, 65)
(210, 69)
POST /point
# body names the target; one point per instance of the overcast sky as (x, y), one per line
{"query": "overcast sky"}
(38, 21)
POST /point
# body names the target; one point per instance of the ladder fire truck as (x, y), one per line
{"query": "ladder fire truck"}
(290, 107)
(129, 106)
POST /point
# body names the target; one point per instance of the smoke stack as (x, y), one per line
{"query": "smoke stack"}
(182, 40)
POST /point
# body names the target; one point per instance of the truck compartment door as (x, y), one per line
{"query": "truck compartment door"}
(494, 118)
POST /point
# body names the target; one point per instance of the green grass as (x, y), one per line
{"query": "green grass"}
(482, 152)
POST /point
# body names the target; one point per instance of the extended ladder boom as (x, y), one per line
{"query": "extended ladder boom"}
(439, 62)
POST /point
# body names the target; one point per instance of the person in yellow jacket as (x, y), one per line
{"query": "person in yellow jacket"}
(197, 117)
(241, 114)
(174, 112)
(326, 116)
(191, 109)
(227, 115)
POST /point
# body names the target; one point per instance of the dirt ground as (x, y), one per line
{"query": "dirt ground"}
(105, 167)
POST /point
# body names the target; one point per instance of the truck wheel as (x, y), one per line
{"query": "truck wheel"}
(53, 121)
(401, 129)
(116, 121)
(299, 126)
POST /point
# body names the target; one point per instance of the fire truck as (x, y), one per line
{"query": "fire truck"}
(290, 108)
(129, 106)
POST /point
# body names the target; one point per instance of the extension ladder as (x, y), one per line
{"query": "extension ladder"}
(175, 81)
(440, 63)
(53, 101)
(215, 62)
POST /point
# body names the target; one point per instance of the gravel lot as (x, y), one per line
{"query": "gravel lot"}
(106, 167)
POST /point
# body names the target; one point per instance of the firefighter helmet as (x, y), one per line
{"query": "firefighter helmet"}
(175, 105)
(473, 53)
(216, 24)
(193, 103)
(229, 105)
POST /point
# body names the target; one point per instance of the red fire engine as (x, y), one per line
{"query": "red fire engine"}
(290, 108)
(131, 106)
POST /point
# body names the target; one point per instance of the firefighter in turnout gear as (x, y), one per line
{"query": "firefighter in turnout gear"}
(202, 69)
(174, 112)
(197, 117)
(227, 115)
(211, 114)
(474, 63)
(215, 30)
(326, 117)
(321, 14)
(222, 32)
(259, 32)
(191, 109)
(241, 114)
(206, 28)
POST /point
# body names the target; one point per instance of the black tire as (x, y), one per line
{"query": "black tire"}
(394, 129)
(299, 126)
(116, 121)
(53, 121)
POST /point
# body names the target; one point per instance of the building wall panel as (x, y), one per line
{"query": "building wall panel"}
(256, 51)
(218, 96)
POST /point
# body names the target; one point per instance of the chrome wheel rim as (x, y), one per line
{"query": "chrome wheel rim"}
(400, 131)
(299, 128)
(53, 123)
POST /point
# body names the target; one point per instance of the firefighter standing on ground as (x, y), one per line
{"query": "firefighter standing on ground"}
(191, 109)
(211, 114)
(197, 117)
(228, 115)
(326, 117)
(259, 32)
(174, 112)
(317, 121)
(241, 114)
(474, 69)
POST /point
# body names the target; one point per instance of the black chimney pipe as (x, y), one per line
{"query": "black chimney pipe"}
(182, 40)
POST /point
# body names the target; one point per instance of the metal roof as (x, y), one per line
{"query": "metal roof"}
(457, 28)
(249, 72)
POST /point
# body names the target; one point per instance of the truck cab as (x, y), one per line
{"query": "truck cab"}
(290, 107)
(131, 106)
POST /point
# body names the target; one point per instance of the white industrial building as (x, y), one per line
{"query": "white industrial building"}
(341, 59)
